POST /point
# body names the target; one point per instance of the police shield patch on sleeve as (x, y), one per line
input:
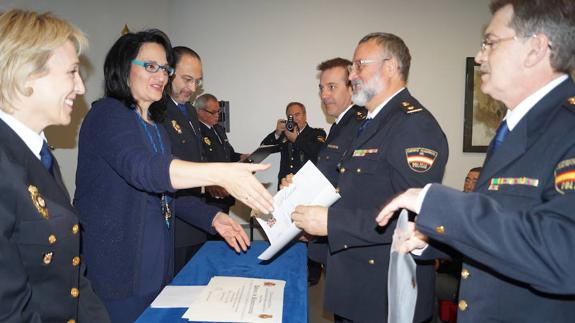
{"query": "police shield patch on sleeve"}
(565, 176)
(420, 159)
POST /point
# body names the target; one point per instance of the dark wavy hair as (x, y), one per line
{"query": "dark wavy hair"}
(119, 62)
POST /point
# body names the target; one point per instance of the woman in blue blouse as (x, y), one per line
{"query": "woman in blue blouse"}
(126, 176)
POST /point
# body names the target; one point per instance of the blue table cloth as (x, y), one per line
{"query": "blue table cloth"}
(215, 258)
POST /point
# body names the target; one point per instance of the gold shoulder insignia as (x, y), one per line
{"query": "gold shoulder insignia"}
(360, 114)
(409, 108)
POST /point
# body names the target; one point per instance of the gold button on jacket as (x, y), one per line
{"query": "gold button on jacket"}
(75, 261)
(74, 292)
(52, 239)
(462, 305)
(75, 229)
(440, 229)
(464, 273)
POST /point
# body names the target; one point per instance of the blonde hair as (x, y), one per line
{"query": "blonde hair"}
(27, 40)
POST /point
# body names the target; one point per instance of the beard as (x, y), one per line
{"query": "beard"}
(364, 92)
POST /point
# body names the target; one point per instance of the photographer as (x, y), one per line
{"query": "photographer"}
(296, 141)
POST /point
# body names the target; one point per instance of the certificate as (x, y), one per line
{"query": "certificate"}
(308, 187)
(239, 299)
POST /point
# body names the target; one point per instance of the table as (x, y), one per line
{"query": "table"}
(215, 258)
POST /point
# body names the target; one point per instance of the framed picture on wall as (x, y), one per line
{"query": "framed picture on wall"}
(482, 113)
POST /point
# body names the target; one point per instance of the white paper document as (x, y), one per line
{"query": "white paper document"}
(309, 187)
(239, 299)
(401, 281)
(177, 296)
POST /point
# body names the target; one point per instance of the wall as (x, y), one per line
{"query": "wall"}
(261, 54)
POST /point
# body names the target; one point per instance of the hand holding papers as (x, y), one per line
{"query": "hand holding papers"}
(401, 282)
(309, 187)
(238, 299)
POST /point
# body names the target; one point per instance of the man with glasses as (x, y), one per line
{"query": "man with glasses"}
(397, 146)
(517, 230)
(298, 144)
(216, 146)
(182, 125)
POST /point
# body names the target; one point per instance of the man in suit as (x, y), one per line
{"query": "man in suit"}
(216, 146)
(297, 145)
(398, 145)
(335, 93)
(516, 230)
(183, 129)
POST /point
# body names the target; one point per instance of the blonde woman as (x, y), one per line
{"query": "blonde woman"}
(41, 271)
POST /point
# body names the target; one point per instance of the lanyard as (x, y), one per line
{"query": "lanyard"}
(164, 199)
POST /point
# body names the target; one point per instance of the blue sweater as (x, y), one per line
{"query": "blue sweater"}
(117, 172)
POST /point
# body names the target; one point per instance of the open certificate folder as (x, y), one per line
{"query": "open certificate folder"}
(308, 187)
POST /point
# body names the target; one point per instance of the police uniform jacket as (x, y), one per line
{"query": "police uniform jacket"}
(185, 138)
(217, 148)
(41, 271)
(517, 231)
(295, 155)
(402, 147)
(337, 142)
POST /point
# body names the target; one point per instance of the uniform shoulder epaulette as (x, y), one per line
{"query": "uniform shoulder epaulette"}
(409, 108)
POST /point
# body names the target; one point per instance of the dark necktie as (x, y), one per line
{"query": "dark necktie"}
(46, 157)
(184, 108)
(500, 135)
(363, 125)
(332, 130)
(217, 135)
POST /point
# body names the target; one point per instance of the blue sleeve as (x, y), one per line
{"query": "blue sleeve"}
(195, 211)
(112, 132)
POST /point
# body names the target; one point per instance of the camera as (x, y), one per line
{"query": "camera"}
(290, 124)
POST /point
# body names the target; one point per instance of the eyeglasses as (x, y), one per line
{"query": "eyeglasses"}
(491, 44)
(154, 67)
(191, 80)
(358, 65)
(213, 113)
(488, 44)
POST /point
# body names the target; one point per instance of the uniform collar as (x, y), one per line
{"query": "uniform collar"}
(342, 114)
(33, 140)
(373, 114)
(514, 116)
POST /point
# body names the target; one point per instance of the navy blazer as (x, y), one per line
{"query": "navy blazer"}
(336, 144)
(117, 173)
(517, 230)
(41, 271)
(402, 147)
(217, 148)
(185, 138)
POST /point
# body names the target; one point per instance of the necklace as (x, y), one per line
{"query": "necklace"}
(165, 199)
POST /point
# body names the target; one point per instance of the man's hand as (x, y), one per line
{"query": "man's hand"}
(409, 240)
(217, 191)
(286, 181)
(280, 127)
(231, 231)
(311, 219)
(405, 200)
(291, 135)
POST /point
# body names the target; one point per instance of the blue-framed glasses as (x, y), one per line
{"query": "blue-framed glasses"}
(154, 67)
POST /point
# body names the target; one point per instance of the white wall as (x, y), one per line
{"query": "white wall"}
(261, 54)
